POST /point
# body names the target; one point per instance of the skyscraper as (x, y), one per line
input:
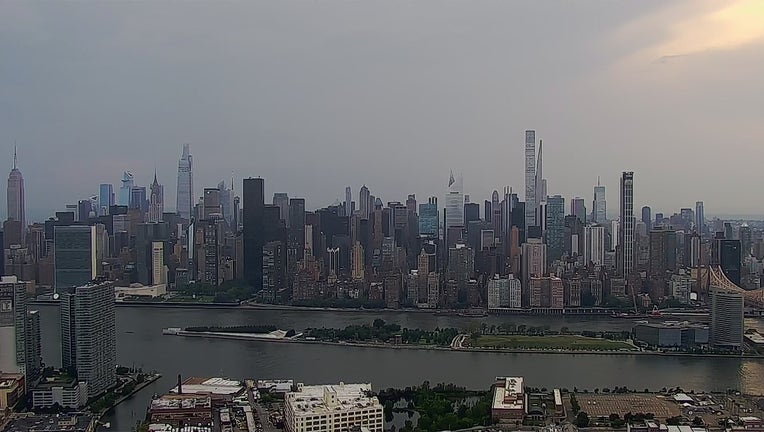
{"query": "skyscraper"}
(185, 197)
(126, 189)
(454, 202)
(348, 201)
(105, 198)
(13, 312)
(594, 244)
(627, 223)
(647, 218)
(555, 227)
(281, 200)
(530, 178)
(156, 200)
(700, 218)
(428, 218)
(16, 209)
(363, 202)
(578, 209)
(541, 194)
(253, 231)
(726, 319)
(74, 256)
(88, 335)
(599, 210)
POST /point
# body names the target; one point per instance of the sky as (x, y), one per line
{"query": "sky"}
(317, 95)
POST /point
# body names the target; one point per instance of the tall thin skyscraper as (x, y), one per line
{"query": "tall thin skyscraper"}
(105, 198)
(16, 195)
(541, 194)
(530, 178)
(348, 201)
(156, 200)
(185, 197)
(647, 218)
(578, 209)
(627, 223)
(254, 231)
(700, 218)
(363, 202)
(454, 202)
(599, 210)
(126, 190)
(555, 227)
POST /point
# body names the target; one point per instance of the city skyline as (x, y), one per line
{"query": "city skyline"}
(659, 94)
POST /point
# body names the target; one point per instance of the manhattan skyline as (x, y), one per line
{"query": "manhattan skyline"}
(652, 88)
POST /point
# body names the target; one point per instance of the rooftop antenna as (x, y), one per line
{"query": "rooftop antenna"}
(14, 154)
(598, 180)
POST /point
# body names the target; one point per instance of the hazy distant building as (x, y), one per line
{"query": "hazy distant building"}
(428, 218)
(185, 195)
(105, 198)
(555, 227)
(662, 252)
(533, 256)
(364, 202)
(125, 190)
(578, 209)
(254, 233)
(15, 202)
(647, 218)
(700, 218)
(454, 202)
(599, 210)
(75, 255)
(281, 200)
(727, 254)
(156, 201)
(530, 178)
(626, 234)
(13, 325)
(594, 244)
(88, 335)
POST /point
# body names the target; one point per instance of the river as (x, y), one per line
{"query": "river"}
(140, 343)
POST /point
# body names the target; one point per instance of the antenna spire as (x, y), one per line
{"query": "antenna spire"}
(14, 154)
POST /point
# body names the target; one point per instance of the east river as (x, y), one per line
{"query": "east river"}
(140, 343)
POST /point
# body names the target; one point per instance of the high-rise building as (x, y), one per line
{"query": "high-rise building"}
(126, 189)
(364, 202)
(533, 256)
(700, 218)
(727, 254)
(253, 231)
(594, 244)
(746, 241)
(185, 196)
(358, 267)
(727, 326)
(16, 207)
(158, 270)
(599, 210)
(662, 252)
(156, 201)
(455, 202)
(88, 335)
(626, 241)
(211, 208)
(471, 212)
(13, 325)
(74, 256)
(578, 209)
(647, 218)
(226, 202)
(348, 201)
(138, 200)
(281, 200)
(145, 236)
(555, 227)
(296, 231)
(274, 268)
(530, 178)
(428, 218)
(541, 193)
(105, 198)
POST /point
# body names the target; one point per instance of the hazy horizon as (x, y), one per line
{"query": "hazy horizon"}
(315, 96)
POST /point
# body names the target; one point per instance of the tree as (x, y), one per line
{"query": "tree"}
(582, 419)
(697, 421)
(378, 323)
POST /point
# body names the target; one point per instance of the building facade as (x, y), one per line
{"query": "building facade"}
(626, 228)
(332, 408)
(185, 196)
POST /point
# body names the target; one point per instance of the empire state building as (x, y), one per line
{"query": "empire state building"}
(16, 201)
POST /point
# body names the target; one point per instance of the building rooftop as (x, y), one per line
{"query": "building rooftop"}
(755, 338)
(508, 393)
(321, 399)
(215, 386)
(50, 423)
(184, 401)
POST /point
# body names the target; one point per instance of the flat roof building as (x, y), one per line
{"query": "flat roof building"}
(330, 408)
(508, 399)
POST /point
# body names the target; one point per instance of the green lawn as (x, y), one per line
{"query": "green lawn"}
(565, 342)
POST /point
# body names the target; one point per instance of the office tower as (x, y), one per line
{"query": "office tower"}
(533, 256)
(16, 207)
(348, 201)
(33, 348)
(226, 202)
(13, 325)
(126, 189)
(626, 234)
(700, 218)
(296, 232)
(471, 212)
(138, 200)
(274, 269)
(647, 218)
(662, 252)
(88, 335)
(461, 264)
(364, 203)
(530, 178)
(358, 267)
(211, 207)
(454, 202)
(75, 256)
(253, 235)
(727, 254)
(105, 198)
(281, 200)
(185, 196)
(555, 227)
(156, 200)
(599, 210)
(540, 188)
(578, 209)
(594, 244)
(727, 328)
(145, 237)
(744, 233)
(688, 218)
(487, 210)
(158, 271)
(728, 231)
(428, 218)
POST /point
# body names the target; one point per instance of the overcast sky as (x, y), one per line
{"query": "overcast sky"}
(317, 95)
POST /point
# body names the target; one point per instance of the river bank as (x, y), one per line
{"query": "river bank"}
(258, 338)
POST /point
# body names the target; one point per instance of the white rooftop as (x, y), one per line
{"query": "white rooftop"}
(509, 396)
(217, 386)
(683, 397)
(317, 399)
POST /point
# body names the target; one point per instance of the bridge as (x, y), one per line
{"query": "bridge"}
(752, 298)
